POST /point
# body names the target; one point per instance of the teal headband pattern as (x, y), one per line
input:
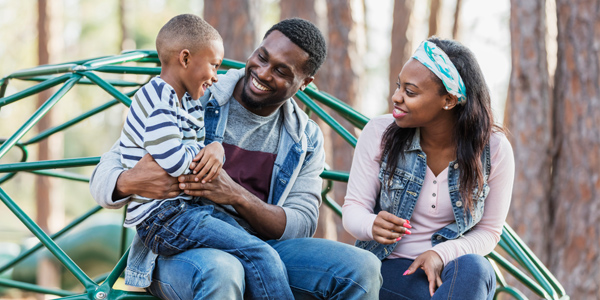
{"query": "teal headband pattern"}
(440, 64)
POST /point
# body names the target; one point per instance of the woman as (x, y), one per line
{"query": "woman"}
(430, 184)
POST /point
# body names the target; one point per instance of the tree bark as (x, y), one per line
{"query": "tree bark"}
(401, 40)
(125, 22)
(339, 76)
(456, 19)
(236, 24)
(529, 119)
(434, 12)
(298, 9)
(575, 254)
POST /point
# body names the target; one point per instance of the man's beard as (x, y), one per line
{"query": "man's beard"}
(251, 103)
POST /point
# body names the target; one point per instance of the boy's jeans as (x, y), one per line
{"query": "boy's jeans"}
(178, 225)
(467, 277)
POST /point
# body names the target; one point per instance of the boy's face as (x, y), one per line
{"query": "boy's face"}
(201, 71)
(274, 73)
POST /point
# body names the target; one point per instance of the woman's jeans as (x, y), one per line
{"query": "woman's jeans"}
(316, 269)
(467, 277)
(180, 225)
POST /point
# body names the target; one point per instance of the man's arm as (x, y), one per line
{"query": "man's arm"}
(111, 185)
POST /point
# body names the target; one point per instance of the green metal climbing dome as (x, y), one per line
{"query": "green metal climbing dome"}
(527, 268)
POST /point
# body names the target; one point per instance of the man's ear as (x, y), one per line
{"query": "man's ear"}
(450, 101)
(306, 82)
(184, 58)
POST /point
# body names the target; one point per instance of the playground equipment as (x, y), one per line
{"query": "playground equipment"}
(530, 271)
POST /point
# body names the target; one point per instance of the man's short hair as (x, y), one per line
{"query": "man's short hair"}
(306, 36)
(185, 31)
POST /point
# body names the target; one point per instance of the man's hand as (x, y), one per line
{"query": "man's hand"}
(388, 228)
(208, 162)
(222, 189)
(146, 179)
(432, 264)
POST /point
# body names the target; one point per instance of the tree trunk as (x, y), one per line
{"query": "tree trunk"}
(48, 273)
(125, 22)
(339, 76)
(456, 20)
(401, 40)
(529, 119)
(299, 9)
(235, 22)
(575, 254)
(434, 12)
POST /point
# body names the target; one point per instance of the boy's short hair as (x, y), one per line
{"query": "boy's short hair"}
(184, 31)
(306, 36)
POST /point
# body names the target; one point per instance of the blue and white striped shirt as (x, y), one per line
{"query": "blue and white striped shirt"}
(172, 134)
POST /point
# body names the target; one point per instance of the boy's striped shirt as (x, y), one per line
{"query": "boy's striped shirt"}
(172, 134)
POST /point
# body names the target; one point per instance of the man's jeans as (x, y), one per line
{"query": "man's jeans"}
(316, 268)
(467, 277)
(178, 225)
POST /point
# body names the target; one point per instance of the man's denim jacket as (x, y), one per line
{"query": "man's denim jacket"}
(300, 160)
(399, 195)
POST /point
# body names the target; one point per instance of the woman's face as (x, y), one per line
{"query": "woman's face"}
(417, 101)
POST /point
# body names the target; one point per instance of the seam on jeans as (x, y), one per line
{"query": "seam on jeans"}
(191, 263)
(255, 270)
(453, 278)
(334, 276)
(162, 295)
(395, 294)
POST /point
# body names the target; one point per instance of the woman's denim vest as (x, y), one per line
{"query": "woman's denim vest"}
(399, 196)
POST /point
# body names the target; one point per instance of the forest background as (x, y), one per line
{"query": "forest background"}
(541, 60)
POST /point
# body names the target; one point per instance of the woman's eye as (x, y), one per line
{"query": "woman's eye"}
(409, 93)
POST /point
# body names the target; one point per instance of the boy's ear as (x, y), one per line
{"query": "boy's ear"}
(184, 58)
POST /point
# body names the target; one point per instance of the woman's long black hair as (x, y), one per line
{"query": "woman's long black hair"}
(473, 127)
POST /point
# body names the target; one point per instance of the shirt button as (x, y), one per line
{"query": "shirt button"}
(439, 237)
(459, 203)
(433, 194)
(217, 112)
(433, 206)
(456, 166)
(435, 181)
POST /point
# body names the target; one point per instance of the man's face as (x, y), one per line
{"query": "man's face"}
(274, 73)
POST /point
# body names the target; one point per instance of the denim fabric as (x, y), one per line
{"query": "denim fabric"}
(400, 192)
(323, 269)
(181, 225)
(467, 277)
(201, 273)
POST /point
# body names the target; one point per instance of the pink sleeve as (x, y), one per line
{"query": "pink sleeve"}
(363, 185)
(486, 234)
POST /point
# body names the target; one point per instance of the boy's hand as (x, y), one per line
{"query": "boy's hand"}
(209, 162)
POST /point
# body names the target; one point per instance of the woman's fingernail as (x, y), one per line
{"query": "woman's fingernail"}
(406, 225)
(399, 238)
(408, 221)
(407, 231)
(405, 272)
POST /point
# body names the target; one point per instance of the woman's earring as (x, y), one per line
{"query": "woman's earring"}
(446, 107)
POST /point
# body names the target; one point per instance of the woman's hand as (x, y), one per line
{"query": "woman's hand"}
(388, 228)
(432, 264)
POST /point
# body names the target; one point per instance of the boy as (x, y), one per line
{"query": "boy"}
(166, 120)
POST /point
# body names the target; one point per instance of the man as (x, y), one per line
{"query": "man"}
(269, 183)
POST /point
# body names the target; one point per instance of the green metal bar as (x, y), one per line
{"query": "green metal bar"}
(50, 164)
(330, 202)
(547, 274)
(123, 235)
(232, 64)
(335, 175)
(48, 242)
(125, 295)
(117, 59)
(38, 115)
(75, 120)
(58, 234)
(335, 125)
(24, 156)
(35, 89)
(63, 175)
(519, 275)
(44, 70)
(33, 288)
(108, 88)
(114, 82)
(354, 117)
(3, 85)
(148, 53)
(129, 70)
(117, 270)
(511, 291)
(528, 264)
